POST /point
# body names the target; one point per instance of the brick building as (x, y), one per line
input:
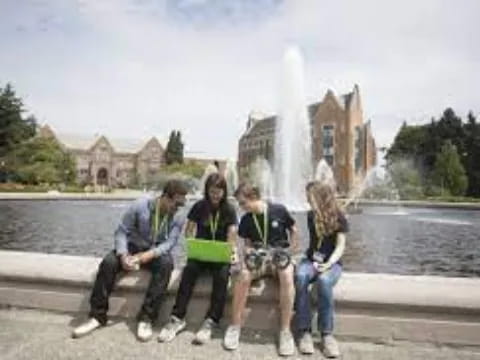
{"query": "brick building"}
(116, 162)
(338, 132)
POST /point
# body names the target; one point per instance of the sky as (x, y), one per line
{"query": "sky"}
(137, 68)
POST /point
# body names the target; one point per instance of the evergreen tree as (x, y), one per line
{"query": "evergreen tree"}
(422, 144)
(179, 148)
(174, 150)
(13, 127)
(449, 172)
(407, 144)
(472, 154)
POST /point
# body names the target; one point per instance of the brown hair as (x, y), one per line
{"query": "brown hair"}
(218, 181)
(324, 206)
(174, 187)
(248, 191)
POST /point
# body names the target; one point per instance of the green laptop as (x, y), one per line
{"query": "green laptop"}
(209, 250)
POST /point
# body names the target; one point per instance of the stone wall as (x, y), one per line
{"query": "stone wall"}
(374, 307)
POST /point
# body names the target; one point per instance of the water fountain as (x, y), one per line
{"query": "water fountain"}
(262, 177)
(231, 176)
(209, 169)
(376, 185)
(324, 174)
(293, 165)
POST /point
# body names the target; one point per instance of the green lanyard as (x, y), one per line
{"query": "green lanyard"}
(155, 228)
(214, 224)
(264, 235)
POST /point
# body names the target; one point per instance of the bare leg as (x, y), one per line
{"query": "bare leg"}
(240, 294)
(287, 295)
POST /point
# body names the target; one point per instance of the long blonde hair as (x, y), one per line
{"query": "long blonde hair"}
(325, 209)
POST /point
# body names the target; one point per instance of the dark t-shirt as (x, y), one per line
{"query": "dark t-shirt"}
(201, 214)
(329, 240)
(279, 221)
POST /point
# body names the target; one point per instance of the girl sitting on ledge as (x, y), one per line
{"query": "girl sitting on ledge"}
(211, 218)
(327, 226)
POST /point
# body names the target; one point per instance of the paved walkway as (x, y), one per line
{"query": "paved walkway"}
(33, 335)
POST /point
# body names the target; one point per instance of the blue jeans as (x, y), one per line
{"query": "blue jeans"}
(305, 275)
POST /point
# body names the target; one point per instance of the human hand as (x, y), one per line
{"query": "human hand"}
(145, 257)
(128, 262)
(321, 267)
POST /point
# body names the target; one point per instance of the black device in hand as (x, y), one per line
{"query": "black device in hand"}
(279, 257)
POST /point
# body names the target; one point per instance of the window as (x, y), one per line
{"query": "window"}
(328, 143)
(358, 148)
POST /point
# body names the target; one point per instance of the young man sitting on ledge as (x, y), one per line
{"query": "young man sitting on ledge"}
(270, 234)
(145, 237)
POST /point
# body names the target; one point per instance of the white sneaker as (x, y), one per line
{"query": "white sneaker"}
(144, 330)
(286, 344)
(86, 328)
(174, 326)
(205, 333)
(232, 337)
(305, 343)
(330, 347)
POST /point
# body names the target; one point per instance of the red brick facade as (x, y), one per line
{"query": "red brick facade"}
(339, 135)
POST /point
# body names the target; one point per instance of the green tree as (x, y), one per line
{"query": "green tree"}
(174, 150)
(192, 169)
(449, 172)
(179, 147)
(407, 144)
(42, 161)
(169, 151)
(423, 143)
(472, 154)
(14, 128)
(406, 179)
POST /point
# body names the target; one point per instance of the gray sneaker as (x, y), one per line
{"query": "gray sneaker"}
(232, 337)
(330, 347)
(144, 330)
(204, 334)
(305, 343)
(286, 345)
(86, 328)
(169, 331)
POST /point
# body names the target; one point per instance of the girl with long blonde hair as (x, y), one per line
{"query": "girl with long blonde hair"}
(327, 226)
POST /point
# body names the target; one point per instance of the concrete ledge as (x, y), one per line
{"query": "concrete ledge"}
(114, 196)
(69, 196)
(131, 195)
(422, 204)
(376, 307)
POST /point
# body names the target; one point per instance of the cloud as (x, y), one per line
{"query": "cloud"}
(136, 68)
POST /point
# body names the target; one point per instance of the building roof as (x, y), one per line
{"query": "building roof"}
(268, 122)
(260, 122)
(85, 142)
